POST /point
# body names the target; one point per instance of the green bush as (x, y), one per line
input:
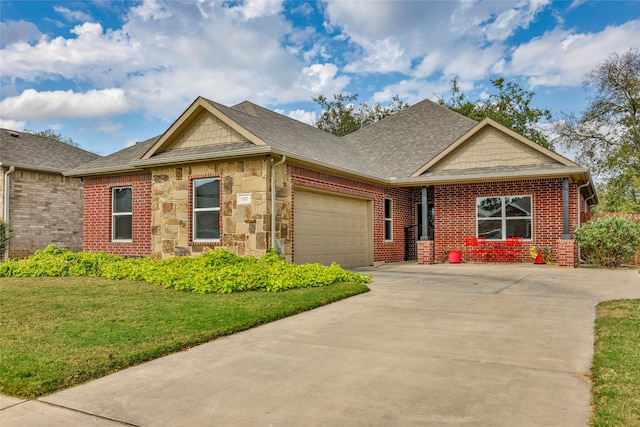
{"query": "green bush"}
(217, 271)
(5, 236)
(609, 241)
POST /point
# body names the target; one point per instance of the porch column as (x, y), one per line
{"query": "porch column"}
(424, 235)
(566, 232)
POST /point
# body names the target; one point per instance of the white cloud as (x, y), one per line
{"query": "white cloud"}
(251, 9)
(382, 56)
(92, 54)
(12, 124)
(508, 21)
(322, 79)
(15, 31)
(106, 126)
(151, 10)
(33, 105)
(564, 57)
(308, 117)
(73, 15)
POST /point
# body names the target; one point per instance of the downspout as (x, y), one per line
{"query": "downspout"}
(273, 203)
(5, 210)
(580, 212)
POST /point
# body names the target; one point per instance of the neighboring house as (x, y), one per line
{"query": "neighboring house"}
(41, 205)
(412, 185)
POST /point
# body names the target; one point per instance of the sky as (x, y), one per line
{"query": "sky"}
(110, 73)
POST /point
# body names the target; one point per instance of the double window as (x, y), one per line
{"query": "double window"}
(206, 210)
(501, 217)
(121, 214)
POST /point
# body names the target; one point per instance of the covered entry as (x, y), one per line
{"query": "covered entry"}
(332, 228)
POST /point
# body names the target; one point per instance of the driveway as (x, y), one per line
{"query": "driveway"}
(461, 345)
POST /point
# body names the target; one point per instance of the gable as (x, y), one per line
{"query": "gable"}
(207, 129)
(490, 148)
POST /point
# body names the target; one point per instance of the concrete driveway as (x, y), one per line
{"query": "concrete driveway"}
(472, 345)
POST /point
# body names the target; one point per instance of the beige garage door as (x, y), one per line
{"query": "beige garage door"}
(329, 228)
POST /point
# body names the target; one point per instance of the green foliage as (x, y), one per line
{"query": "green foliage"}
(5, 236)
(606, 137)
(341, 116)
(609, 241)
(511, 107)
(217, 271)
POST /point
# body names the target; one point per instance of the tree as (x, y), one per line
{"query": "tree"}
(341, 116)
(50, 133)
(607, 135)
(511, 107)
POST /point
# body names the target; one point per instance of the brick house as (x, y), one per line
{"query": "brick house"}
(41, 205)
(248, 179)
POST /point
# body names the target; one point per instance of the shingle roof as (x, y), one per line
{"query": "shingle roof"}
(292, 137)
(116, 162)
(28, 151)
(400, 144)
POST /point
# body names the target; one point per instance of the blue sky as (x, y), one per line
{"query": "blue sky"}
(109, 73)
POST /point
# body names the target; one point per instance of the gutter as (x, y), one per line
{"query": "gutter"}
(273, 205)
(6, 205)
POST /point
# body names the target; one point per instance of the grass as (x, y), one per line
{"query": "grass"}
(63, 331)
(616, 364)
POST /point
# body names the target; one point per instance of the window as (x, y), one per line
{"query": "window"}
(206, 209)
(388, 219)
(501, 217)
(121, 214)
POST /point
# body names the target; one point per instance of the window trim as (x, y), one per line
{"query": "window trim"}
(388, 220)
(503, 218)
(195, 210)
(114, 214)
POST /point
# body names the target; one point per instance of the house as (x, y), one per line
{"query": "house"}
(410, 186)
(41, 205)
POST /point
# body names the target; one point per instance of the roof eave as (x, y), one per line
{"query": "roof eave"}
(575, 174)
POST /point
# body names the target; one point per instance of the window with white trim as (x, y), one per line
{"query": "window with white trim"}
(121, 214)
(206, 210)
(500, 217)
(388, 220)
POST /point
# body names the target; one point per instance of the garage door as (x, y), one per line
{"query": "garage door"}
(330, 228)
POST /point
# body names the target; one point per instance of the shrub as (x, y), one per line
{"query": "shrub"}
(609, 241)
(217, 271)
(5, 236)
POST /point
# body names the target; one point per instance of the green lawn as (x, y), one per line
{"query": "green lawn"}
(62, 331)
(616, 364)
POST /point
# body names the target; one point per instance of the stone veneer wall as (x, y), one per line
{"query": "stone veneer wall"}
(45, 208)
(244, 228)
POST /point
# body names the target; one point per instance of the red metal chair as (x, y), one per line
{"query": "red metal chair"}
(511, 250)
(475, 248)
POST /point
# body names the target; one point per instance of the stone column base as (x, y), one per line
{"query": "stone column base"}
(426, 249)
(567, 253)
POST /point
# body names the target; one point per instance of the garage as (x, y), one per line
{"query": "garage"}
(332, 228)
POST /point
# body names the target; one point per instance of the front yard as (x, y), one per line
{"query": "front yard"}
(56, 332)
(616, 364)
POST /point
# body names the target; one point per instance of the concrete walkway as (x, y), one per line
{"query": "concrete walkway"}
(462, 345)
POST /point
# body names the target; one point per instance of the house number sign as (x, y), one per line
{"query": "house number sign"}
(244, 199)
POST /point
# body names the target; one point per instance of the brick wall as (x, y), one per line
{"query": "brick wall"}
(455, 212)
(403, 207)
(97, 215)
(44, 209)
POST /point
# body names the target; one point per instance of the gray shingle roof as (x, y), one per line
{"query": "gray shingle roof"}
(116, 162)
(295, 138)
(28, 151)
(400, 144)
